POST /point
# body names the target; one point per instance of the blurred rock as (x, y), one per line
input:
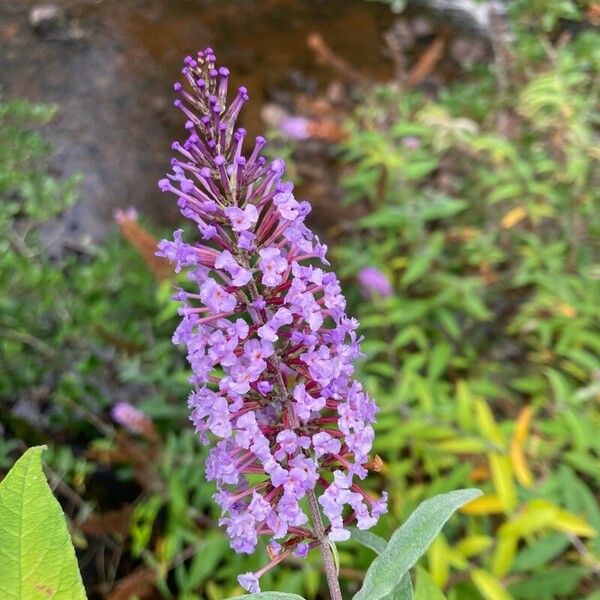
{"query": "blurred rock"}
(273, 114)
(403, 34)
(51, 23)
(422, 27)
(471, 15)
(301, 81)
(468, 51)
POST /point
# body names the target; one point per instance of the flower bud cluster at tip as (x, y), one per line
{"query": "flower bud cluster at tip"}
(269, 342)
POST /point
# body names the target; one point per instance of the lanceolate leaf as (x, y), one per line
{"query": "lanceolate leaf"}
(37, 560)
(426, 589)
(403, 591)
(368, 539)
(409, 542)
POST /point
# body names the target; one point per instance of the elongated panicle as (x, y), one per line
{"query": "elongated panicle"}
(267, 336)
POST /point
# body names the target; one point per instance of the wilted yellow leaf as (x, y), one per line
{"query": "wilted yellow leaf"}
(517, 454)
(487, 424)
(484, 505)
(463, 445)
(478, 474)
(536, 515)
(522, 424)
(502, 476)
(566, 310)
(463, 234)
(457, 560)
(504, 555)
(541, 514)
(489, 587)
(399, 262)
(437, 557)
(513, 216)
(570, 523)
(465, 400)
(474, 544)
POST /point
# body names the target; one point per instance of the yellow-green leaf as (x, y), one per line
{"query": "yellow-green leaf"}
(426, 589)
(517, 454)
(488, 504)
(465, 445)
(489, 587)
(502, 477)
(465, 402)
(570, 523)
(437, 557)
(474, 544)
(536, 515)
(487, 424)
(37, 559)
(504, 555)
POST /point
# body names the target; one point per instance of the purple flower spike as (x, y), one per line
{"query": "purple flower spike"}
(296, 128)
(375, 282)
(267, 336)
(131, 418)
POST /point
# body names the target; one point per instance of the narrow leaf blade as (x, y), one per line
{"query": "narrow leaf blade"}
(368, 539)
(426, 589)
(409, 542)
(403, 591)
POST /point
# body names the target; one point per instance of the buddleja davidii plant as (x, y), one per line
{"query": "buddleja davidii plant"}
(34, 539)
(271, 350)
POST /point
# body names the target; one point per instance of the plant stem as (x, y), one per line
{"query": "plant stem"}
(326, 553)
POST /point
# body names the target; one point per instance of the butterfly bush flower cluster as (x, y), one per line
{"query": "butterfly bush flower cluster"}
(131, 418)
(374, 282)
(267, 337)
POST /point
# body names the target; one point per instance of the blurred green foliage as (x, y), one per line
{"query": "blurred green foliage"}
(80, 330)
(481, 206)
(67, 330)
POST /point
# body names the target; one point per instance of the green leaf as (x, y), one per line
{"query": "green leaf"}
(403, 591)
(37, 559)
(206, 560)
(416, 170)
(426, 589)
(409, 542)
(489, 586)
(549, 584)
(269, 596)
(540, 553)
(368, 539)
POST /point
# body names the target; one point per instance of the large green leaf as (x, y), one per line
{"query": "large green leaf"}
(409, 542)
(403, 591)
(37, 560)
(368, 539)
(549, 584)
